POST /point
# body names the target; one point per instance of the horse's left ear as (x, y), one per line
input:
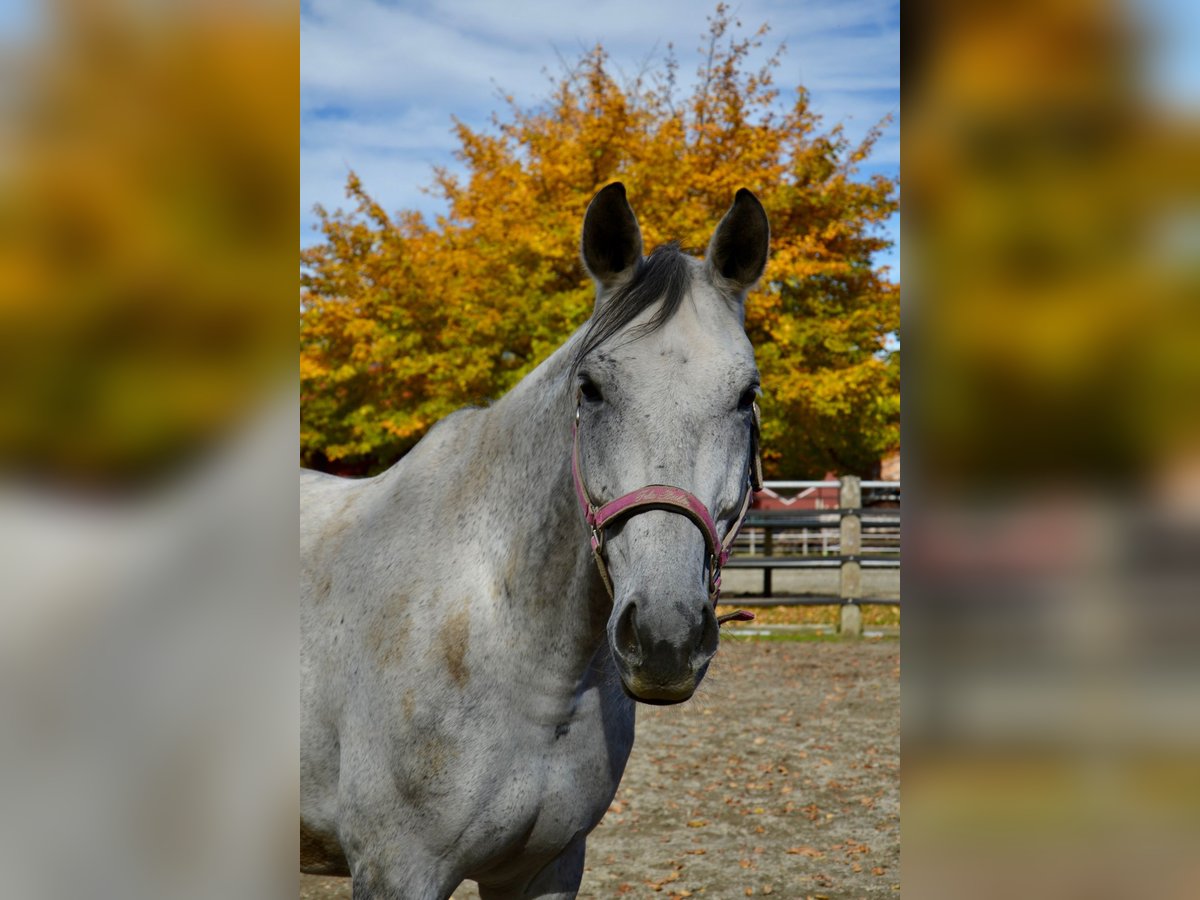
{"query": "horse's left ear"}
(737, 253)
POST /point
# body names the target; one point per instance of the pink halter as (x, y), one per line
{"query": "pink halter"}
(669, 499)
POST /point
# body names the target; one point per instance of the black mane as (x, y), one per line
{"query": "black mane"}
(663, 274)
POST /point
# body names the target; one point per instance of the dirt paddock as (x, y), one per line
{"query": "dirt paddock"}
(781, 777)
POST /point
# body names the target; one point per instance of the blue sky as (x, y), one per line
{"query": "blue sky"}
(380, 81)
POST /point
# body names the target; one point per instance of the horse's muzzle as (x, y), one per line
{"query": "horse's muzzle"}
(662, 658)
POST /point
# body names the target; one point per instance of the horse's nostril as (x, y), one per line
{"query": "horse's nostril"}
(626, 632)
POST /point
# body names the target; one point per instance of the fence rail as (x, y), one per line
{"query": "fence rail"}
(850, 538)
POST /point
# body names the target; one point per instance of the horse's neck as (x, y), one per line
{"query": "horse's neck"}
(547, 585)
(530, 497)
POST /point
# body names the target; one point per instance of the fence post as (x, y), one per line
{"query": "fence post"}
(850, 582)
(768, 550)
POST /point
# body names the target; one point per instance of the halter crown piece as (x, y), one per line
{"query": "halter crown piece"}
(669, 499)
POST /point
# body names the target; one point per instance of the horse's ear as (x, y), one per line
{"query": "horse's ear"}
(737, 253)
(612, 242)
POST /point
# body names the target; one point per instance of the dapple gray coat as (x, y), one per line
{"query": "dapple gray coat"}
(468, 684)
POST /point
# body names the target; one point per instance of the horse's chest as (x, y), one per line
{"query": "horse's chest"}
(578, 769)
(560, 781)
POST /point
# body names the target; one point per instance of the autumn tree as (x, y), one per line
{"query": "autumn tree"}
(404, 321)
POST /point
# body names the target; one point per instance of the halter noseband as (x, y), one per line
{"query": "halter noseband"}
(669, 499)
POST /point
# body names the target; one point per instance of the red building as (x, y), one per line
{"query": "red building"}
(805, 495)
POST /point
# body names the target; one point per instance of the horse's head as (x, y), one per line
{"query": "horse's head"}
(666, 384)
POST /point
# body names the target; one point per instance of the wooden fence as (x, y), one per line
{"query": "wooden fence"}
(850, 538)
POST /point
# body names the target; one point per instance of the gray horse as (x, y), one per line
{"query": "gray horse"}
(475, 627)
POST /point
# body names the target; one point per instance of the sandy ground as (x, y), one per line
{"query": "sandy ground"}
(781, 777)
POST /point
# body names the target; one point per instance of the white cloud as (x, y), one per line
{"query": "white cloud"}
(380, 82)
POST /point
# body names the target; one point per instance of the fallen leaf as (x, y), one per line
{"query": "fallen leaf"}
(697, 823)
(811, 852)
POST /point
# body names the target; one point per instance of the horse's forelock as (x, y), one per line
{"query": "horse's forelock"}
(664, 275)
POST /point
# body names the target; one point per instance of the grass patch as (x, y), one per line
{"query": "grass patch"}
(872, 615)
(747, 633)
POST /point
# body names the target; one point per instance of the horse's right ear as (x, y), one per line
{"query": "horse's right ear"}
(612, 241)
(737, 253)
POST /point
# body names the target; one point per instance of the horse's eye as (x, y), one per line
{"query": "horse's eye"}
(748, 397)
(590, 392)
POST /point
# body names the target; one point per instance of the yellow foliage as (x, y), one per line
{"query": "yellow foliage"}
(403, 322)
(148, 174)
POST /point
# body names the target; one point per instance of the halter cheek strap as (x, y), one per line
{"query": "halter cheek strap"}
(667, 498)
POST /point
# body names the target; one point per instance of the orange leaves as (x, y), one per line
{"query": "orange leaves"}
(403, 321)
(657, 885)
(810, 852)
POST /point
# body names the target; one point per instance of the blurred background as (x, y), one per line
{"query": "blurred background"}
(1051, 312)
(148, 188)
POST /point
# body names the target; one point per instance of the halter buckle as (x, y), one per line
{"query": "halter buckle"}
(597, 534)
